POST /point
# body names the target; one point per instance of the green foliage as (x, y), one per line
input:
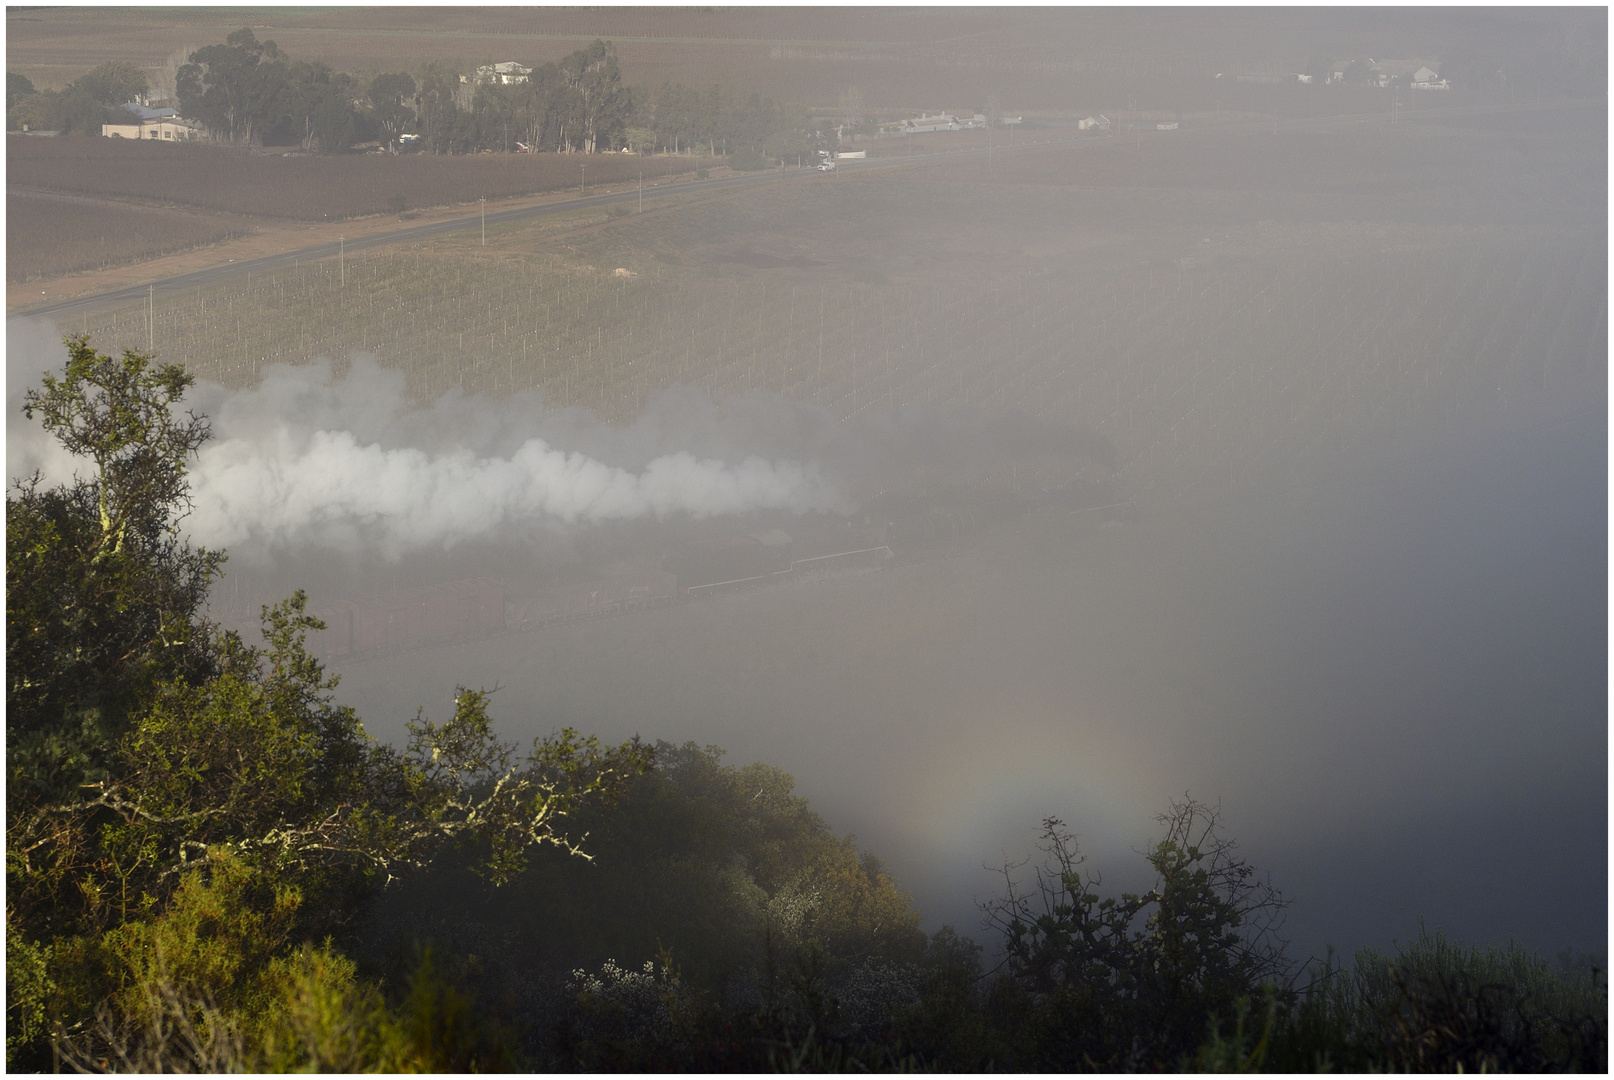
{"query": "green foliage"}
(114, 83)
(184, 809)
(598, 103)
(28, 990)
(101, 597)
(445, 128)
(387, 95)
(319, 107)
(121, 415)
(1122, 982)
(82, 108)
(326, 1019)
(739, 896)
(210, 983)
(1436, 1006)
(238, 89)
(17, 88)
(680, 119)
(1245, 1050)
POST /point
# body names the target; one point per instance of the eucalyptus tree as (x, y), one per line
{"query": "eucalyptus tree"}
(238, 89)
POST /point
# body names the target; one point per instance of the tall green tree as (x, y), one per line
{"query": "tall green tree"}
(17, 88)
(144, 747)
(114, 83)
(493, 108)
(601, 104)
(389, 95)
(102, 592)
(445, 128)
(319, 105)
(1129, 982)
(238, 89)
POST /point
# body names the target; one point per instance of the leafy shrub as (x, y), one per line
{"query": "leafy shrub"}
(1127, 982)
(183, 810)
(1437, 1006)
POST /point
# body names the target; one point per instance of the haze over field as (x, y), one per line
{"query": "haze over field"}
(1273, 466)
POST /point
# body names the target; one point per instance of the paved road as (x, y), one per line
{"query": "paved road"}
(418, 232)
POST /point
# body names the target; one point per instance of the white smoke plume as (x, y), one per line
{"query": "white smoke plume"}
(309, 459)
(312, 461)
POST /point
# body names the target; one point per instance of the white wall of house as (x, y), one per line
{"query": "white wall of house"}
(165, 130)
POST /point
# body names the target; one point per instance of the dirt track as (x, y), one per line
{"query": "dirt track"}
(270, 239)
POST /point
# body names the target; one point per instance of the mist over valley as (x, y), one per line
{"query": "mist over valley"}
(1250, 448)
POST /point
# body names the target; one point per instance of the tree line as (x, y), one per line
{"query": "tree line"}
(211, 867)
(248, 92)
(89, 101)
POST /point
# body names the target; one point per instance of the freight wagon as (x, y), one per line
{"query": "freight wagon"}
(433, 615)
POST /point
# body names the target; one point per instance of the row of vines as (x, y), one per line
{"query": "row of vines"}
(1199, 375)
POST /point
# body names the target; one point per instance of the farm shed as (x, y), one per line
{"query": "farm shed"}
(508, 73)
(166, 129)
(1427, 79)
(925, 122)
(145, 122)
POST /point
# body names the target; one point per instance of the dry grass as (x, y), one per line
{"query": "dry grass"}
(51, 235)
(303, 188)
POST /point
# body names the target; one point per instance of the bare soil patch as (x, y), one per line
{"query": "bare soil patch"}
(304, 188)
(259, 237)
(48, 235)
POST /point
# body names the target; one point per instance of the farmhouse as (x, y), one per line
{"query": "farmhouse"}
(148, 123)
(506, 74)
(1401, 72)
(926, 122)
(1426, 79)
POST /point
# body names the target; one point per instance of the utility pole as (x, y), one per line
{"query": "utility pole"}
(151, 316)
(584, 186)
(341, 258)
(641, 189)
(484, 221)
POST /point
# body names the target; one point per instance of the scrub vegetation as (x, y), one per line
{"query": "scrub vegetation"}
(1116, 407)
(199, 844)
